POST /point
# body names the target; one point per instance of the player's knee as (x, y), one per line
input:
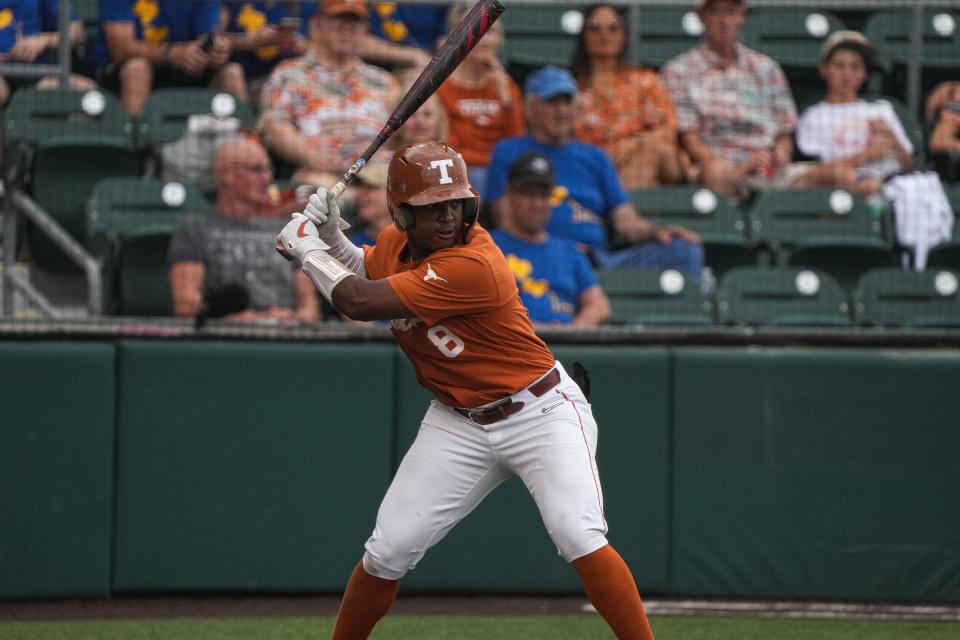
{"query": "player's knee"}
(581, 543)
(391, 557)
(575, 534)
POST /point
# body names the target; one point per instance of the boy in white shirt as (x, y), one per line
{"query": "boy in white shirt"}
(859, 143)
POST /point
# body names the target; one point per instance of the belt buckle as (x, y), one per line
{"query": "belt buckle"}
(474, 412)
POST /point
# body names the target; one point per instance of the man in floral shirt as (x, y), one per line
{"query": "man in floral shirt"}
(735, 113)
(321, 110)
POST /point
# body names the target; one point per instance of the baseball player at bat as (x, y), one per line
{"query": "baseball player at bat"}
(504, 406)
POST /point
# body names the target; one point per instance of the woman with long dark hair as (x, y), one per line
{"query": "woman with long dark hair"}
(625, 108)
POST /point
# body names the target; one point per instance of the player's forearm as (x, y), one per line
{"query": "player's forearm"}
(363, 299)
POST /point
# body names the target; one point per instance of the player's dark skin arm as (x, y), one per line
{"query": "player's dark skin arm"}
(363, 299)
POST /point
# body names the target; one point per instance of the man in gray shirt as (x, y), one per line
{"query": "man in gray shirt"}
(235, 245)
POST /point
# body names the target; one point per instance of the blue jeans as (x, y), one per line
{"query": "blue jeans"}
(680, 255)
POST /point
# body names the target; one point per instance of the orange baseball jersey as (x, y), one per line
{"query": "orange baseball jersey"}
(471, 342)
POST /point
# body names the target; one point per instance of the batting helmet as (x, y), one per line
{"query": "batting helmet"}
(428, 173)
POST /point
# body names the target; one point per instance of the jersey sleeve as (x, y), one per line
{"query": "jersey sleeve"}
(613, 192)
(207, 18)
(457, 284)
(115, 10)
(810, 135)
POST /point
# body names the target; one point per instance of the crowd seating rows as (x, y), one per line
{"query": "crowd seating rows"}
(812, 256)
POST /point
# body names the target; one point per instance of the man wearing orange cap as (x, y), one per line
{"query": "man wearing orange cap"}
(321, 110)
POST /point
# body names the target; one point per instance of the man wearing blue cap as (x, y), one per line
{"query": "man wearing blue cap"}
(588, 190)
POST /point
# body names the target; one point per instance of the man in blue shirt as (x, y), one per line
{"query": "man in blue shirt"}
(147, 44)
(590, 194)
(556, 282)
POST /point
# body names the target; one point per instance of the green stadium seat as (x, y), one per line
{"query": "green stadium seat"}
(654, 296)
(829, 229)
(789, 36)
(525, 54)
(781, 296)
(62, 143)
(941, 36)
(662, 33)
(896, 297)
(947, 254)
(793, 38)
(165, 114)
(130, 221)
(719, 224)
(543, 20)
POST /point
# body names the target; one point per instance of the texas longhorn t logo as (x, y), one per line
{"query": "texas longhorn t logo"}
(443, 165)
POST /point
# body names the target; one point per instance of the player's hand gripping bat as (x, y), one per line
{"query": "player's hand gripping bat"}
(448, 57)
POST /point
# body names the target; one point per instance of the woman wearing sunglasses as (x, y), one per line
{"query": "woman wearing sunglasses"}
(625, 108)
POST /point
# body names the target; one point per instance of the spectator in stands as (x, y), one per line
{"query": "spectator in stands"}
(235, 244)
(149, 44)
(589, 194)
(321, 110)
(264, 33)
(28, 34)
(483, 104)
(429, 122)
(373, 213)
(403, 35)
(943, 109)
(858, 143)
(735, 114)
(623, 108)
(556, 282)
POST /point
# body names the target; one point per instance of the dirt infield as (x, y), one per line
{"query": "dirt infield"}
(132, 607)
(236, 606)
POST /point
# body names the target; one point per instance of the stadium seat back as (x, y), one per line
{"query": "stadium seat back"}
(793, 38)
(890, 29)
(655, 296)
(131, 221)
(166, 112)
(662, 33)
(897, 297)
(719, 224)
(781, 296)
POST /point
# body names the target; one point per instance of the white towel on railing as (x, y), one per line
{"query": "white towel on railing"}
(923, 214)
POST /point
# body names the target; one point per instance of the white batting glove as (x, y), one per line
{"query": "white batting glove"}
(324, 210)
(299, 238)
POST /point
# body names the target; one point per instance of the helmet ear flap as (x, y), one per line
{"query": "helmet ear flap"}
(471, 209)
(407, 218)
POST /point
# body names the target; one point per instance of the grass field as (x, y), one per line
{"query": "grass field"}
(553, 627)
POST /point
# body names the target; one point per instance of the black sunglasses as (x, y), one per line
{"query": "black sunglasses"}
(611, 25)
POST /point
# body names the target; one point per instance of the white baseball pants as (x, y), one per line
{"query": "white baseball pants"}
(454, 463)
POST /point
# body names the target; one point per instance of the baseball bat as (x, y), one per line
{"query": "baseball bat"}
(447, 58)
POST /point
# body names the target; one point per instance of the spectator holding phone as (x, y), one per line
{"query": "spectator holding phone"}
(148, 44)
(264, 33)
(319, 111)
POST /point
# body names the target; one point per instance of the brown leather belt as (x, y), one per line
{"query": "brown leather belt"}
(507, 407)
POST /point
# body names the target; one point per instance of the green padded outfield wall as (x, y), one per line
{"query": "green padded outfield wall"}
(249, 466)
(504, 547)
(56, 468)
(813, 473)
